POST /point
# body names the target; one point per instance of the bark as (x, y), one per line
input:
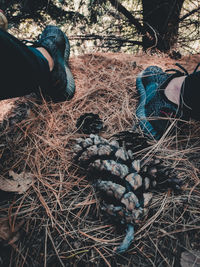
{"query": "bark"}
(128, 15)
(161, 20)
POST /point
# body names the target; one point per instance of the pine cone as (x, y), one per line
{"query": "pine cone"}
(89, 123)
(131, 141)
(122, 180)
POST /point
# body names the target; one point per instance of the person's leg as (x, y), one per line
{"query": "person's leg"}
(185, 92)
(173, 89)
(22, 71)
(190, 96)
(47, 56)
(42, 67)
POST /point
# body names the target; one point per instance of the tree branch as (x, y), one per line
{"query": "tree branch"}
(189, 14)
(106, 38)
(128, 15)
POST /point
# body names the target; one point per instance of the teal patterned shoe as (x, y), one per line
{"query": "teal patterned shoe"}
(155, 110)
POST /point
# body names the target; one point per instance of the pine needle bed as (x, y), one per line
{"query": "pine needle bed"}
(57, 221)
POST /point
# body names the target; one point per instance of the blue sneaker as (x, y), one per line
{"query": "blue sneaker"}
(155, 110)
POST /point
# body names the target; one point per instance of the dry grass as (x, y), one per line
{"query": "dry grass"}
(62, 224)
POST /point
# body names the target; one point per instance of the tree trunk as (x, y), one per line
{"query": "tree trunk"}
(32, 6)
(161, 21)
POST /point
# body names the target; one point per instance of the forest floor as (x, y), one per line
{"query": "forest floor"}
(56, 220)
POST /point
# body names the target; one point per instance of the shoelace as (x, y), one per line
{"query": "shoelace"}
(28, 42)
(185, 72)
(39, 39)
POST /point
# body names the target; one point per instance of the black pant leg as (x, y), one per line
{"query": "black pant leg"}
(22, 71)
(190, 96)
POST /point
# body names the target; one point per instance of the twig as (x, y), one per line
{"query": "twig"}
(106, 261)
(105, 38)
(189, 14)
(128, 15)
(45, 247)
(159, 252)
(50, 237)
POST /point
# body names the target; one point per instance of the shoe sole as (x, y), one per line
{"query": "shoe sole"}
(70, 79)
(140, 111)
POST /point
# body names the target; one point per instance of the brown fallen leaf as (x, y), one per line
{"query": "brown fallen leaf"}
(190, 259)
(19, 183)
(4, 229)
(11, 236)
